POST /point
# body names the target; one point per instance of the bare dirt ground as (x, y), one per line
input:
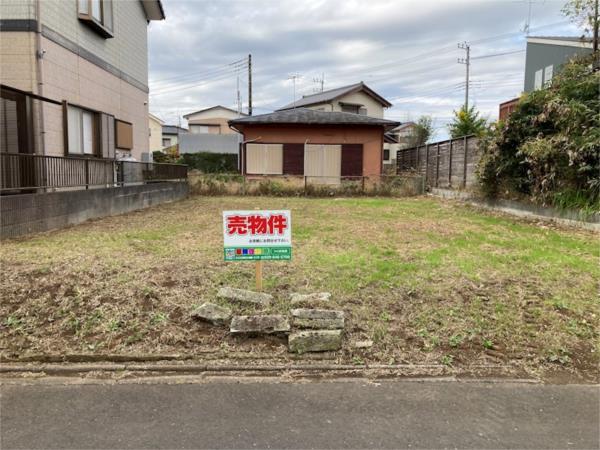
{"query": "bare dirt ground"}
(428, 281)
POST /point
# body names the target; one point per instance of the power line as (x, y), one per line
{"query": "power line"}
(498, 54)
(224, 66)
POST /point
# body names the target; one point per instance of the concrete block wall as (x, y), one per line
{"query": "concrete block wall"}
(25, 214)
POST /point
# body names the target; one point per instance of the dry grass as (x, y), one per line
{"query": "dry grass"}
(428, 281)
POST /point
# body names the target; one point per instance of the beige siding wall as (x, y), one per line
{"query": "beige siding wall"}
(17, 60)
(69, 77)
(222, 128)
(127, 50)
(155, 135)
(374, 108)
(17, 9)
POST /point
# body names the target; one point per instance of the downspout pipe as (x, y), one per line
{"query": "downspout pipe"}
(39, 56)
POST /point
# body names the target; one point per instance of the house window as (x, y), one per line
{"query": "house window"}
(264, 159)
(124, 135)
(200, 129)
(548, 73)
(354, 109)
(166, 142)
(386, 154)
(537, 83)
(98, 14)
(82, 131)
(15, 123)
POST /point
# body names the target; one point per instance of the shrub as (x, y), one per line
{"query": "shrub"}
(548, 148)
(210, 162)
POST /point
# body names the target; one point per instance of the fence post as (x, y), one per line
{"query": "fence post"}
(437, 166)
(465, 145)
(426, 162)
(450, 165)
(363, 183)
(305, 185)
(417, 162)
(87, 174)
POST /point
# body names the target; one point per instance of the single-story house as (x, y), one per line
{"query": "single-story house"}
(312, 143)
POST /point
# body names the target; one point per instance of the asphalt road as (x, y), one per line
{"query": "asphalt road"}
(351, 414)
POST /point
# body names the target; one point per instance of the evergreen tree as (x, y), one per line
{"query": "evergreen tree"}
(467, 122)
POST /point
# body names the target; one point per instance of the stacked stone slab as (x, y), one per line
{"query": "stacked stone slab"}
(317, 330)
(265, 324)
(318, 319)
(244, 296)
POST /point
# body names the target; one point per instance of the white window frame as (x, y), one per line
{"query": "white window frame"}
(81, 131)
(548, 74)
(98, 14)
(538, 80)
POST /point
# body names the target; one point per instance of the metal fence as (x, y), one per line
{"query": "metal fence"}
(450, 163)
(19, 171)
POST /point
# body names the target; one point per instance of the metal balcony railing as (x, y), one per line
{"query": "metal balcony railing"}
(19, 171)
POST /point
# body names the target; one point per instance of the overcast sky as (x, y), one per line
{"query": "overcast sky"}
(403, 49)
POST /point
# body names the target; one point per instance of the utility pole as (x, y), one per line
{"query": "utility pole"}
(467, 62)
(250, 84)
(294, 77)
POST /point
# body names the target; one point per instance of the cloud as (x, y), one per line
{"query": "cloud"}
(405, 50)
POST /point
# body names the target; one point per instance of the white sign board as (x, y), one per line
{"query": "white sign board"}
(257, 235)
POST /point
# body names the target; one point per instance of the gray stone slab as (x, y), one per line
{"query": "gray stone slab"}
(265, 324)
(245, 296)
(215, 314)
(320, 319)
(317, 297)
(315, 341)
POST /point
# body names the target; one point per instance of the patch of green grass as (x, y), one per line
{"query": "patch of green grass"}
(420, 277)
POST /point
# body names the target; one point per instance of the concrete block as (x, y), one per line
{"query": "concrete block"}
(317, 297)
(315, 341)
(245, 296)
(318, 319)
(215, 314)
(267, 324)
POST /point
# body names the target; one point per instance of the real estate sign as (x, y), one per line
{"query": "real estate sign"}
(257, 235)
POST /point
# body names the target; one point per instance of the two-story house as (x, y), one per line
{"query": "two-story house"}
(356, 98)
(546, 54)
(212, 120)
(74, 77)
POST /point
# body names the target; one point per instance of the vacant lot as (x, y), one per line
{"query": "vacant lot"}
(428, 281)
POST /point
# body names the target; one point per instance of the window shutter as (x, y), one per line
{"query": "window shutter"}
(293, 159)
(124, 131)
(352, 160)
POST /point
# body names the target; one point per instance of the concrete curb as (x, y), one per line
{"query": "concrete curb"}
(200, 368)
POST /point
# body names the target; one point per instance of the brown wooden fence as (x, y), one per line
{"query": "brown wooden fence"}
(450, 163)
